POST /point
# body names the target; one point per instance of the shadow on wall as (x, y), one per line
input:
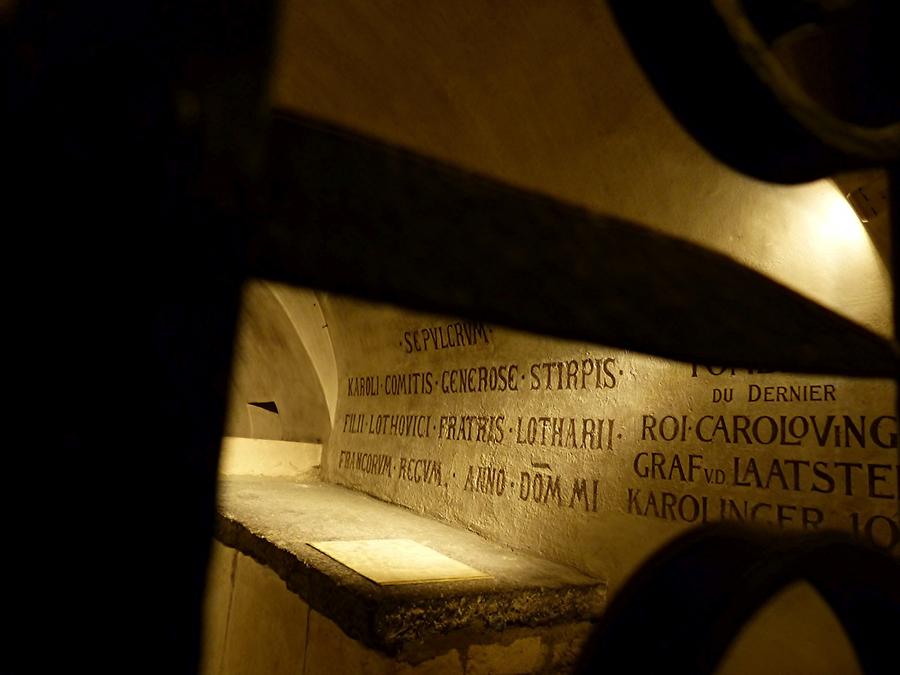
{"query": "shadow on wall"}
(283, 382)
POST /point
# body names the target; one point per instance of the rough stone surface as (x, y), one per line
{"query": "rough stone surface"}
(270, 630)
(329, 650)
(522, 656)
(567, 646)
(272, 519)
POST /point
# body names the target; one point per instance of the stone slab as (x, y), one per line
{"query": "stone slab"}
(263, 457)
(272, 520)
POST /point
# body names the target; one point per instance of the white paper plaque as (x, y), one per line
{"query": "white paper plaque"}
(397, 561)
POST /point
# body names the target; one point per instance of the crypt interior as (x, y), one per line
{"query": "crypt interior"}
(523, 381)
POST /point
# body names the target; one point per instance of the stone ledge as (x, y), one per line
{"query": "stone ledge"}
(271, 520)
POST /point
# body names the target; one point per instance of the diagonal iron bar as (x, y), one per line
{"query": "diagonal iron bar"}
(359, 216)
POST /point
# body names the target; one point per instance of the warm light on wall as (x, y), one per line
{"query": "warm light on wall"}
(813, 241)
(830, 233)
(867, 193)
(840, 223)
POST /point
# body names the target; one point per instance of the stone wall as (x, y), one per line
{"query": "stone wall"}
(284, 380)
(595, 456)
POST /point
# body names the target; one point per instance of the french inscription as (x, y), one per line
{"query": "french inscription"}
(673, 467)
(790, 393)
(838, 431)
(700, 370)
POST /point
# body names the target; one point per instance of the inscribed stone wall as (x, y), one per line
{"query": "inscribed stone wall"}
(595, 456)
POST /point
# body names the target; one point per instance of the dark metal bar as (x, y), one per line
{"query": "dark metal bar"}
(355, 215)
(716, 95)
(132, 135)
(894, 213)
